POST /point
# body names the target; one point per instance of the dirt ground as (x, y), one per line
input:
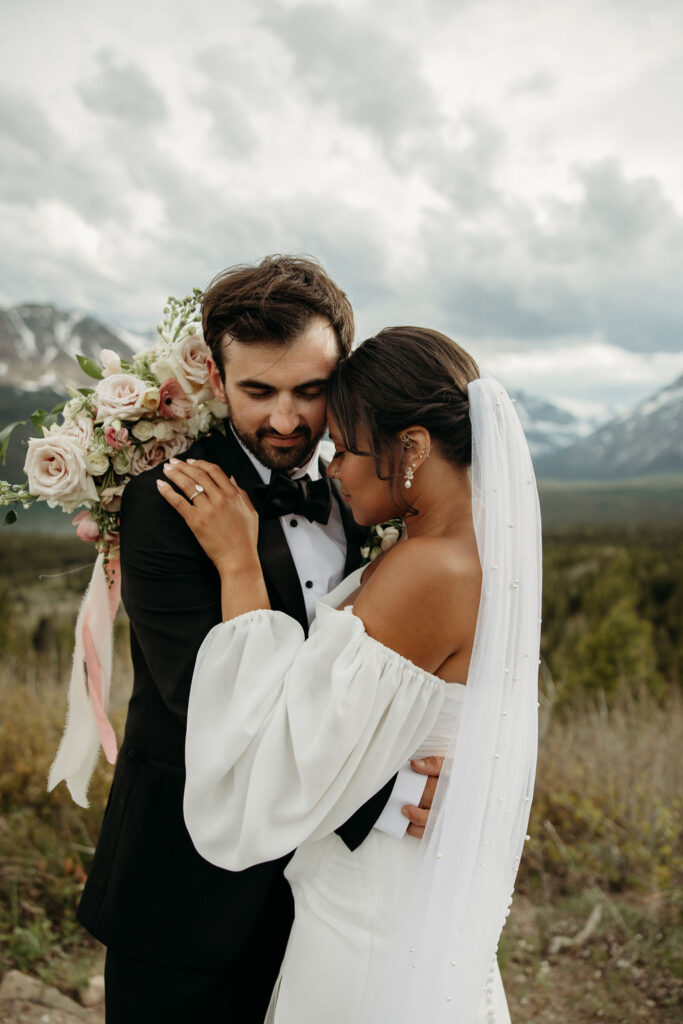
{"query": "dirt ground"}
(576, 971)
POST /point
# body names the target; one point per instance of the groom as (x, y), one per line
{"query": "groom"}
(187, 940)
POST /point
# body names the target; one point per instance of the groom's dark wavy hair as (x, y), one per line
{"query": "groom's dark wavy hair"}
(403, 377)
(273, 301)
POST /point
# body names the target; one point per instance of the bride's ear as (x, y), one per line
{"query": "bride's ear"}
(416, 447)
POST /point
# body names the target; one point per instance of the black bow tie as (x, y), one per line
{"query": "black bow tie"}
(284, 496)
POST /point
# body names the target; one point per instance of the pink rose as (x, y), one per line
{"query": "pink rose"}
(155, 452)
(173, 402)
(191, 353)
(117, 439)
(122, 396)
(86, 527)
(57, 470)
(110, 497)
(186, 362)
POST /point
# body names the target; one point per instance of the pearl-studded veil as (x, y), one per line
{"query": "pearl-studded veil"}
(441, 968)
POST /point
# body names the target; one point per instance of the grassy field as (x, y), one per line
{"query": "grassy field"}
(595, 930)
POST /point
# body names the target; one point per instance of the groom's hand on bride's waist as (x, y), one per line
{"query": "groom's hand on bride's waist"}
(431, 767)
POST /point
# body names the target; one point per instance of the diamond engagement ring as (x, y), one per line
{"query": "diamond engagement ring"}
(199, 490)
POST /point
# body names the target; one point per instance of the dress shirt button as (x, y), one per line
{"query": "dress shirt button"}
(293, 522)
(309, 584)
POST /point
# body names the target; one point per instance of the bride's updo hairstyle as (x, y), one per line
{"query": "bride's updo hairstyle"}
(403, 377)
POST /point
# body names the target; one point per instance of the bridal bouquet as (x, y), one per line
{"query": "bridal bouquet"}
(135, 416)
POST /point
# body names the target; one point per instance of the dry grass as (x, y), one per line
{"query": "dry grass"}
(595, 930)
(595, 933)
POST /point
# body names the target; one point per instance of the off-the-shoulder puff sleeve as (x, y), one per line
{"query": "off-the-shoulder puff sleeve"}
(287, 737)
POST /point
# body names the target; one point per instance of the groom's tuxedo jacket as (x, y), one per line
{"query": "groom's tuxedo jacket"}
(149, 894)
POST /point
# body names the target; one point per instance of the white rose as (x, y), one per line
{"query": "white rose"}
(200, 422)
(143, 430)
(390, 535)
(163, 431)
(57, 472)
(155, 452)
(97, 462)
(164, 366)
(111, 362)
(124, 396)
(80, 427)
(217, 408)
(121, 462)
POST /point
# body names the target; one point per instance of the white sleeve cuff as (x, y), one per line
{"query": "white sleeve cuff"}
(408, 789)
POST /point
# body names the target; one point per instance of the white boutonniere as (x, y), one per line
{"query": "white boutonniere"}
(381, 538)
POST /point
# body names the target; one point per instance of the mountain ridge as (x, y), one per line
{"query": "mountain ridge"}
(39, 342)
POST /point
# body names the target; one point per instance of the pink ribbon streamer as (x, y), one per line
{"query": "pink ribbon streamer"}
(87, 726)
(94, 670)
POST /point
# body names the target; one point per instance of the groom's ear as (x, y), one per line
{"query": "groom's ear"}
(215, 379)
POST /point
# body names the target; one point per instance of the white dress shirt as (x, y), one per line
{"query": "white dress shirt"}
(318, 551)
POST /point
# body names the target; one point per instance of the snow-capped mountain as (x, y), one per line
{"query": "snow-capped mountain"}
(644, 442)
(548, 427)
(38, 345)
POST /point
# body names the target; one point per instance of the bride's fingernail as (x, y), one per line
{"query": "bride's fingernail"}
(418, 764)
(190, 462)
(174, 462)
(161, 483)
(166, 467)
(405, 812)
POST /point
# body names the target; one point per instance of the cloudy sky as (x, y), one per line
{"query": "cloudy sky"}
(510, 173)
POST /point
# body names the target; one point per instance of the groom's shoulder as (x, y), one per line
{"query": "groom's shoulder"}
(141, 492)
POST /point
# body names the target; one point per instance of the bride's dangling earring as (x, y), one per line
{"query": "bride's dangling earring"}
(407, 442)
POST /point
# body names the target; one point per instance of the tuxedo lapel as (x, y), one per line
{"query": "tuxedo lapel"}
(279, 570)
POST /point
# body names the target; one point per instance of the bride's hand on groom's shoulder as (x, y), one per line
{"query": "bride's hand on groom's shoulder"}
(418, 816)
(218, 512)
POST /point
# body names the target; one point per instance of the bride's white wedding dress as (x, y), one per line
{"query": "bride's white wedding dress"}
(288, 738)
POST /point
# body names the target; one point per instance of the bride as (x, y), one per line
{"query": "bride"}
(432, 649)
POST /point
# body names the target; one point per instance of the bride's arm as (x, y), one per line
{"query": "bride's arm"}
(286, 737)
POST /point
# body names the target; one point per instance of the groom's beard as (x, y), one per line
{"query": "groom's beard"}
(272, 456)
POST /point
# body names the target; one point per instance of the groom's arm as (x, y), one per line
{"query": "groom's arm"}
(170, 590)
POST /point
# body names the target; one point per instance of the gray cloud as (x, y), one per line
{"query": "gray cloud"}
(607, 262)
(463, 168)
(124, 92)
(232, 127)
(38, 165)
(539, 84)
(26, 126)
(373, 80)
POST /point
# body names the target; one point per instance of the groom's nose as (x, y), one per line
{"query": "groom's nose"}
(284, 418)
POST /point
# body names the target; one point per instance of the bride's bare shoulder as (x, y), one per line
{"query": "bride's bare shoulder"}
(422, 598)
(421, 562)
